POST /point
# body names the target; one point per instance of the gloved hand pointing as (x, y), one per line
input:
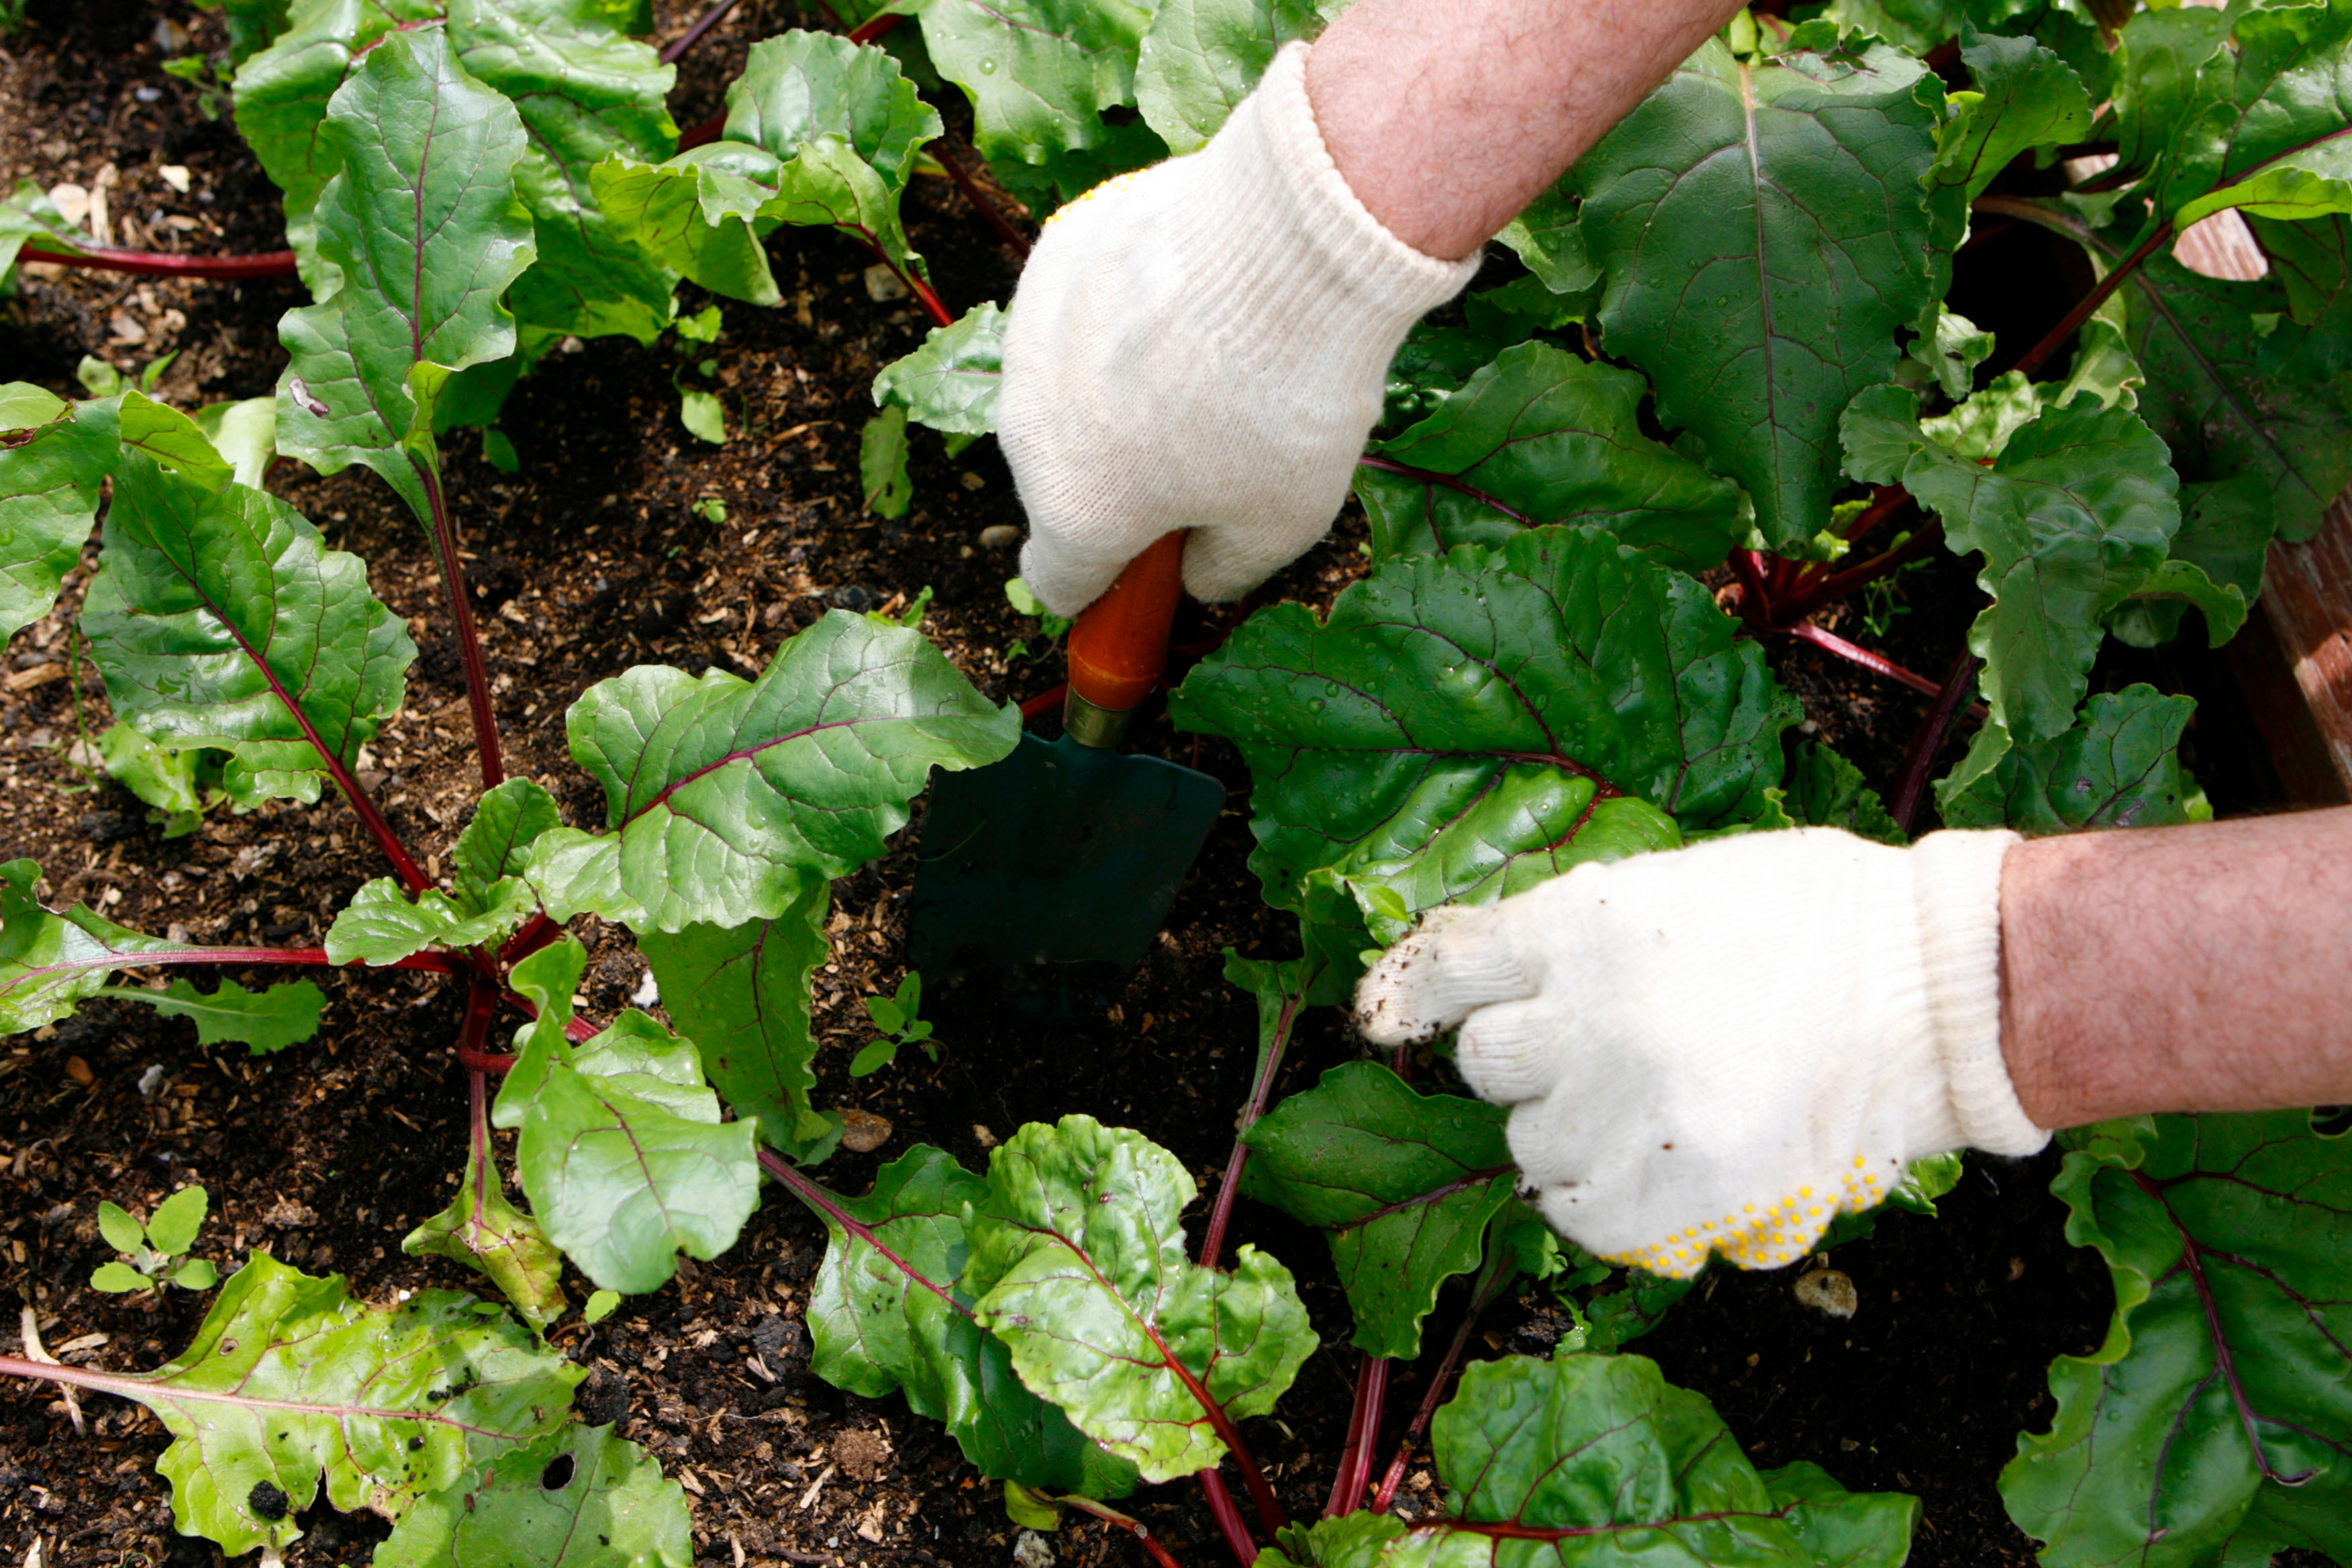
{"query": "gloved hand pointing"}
(1202, 344)
(1718, 1048)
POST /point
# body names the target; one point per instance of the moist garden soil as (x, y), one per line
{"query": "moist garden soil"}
(600, 555)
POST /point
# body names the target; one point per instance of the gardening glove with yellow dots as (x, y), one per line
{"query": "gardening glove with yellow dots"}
(1718, 1048)
(1204, 344)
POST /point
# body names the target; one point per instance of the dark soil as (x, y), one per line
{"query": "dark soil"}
(594, 559)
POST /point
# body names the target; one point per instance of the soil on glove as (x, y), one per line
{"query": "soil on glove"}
(600, 553)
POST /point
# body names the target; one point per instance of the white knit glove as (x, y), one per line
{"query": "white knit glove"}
(1204, 344)
(1720, 1047)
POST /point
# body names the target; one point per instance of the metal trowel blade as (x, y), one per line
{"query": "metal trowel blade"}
(1059, 855)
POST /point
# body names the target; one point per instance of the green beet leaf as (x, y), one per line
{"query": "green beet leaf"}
(2024, 98)
(1596, 1458)
(622, 1153)
(1742, 274)
(1402, 1184)
(1448, 734)
(1824, 790)
(800, 86)
(2271, 138)
(383, 924)
(2120, 767)
(1078, 1265)
(496, 844)
(581, 1497)
(882, 464)
(2075, 512)
(2313, 260)
(2216, 565)
(164, 778)
(741, 994)
(585, 91)
(1541, 436)
(2173, 67)
(1202, 58)
(423, 226)
(54, 456)
(2220, 1401)
(950, 384)
(290, 1377)
(2229, 398)
(722, 795)
(262, 1021)
(50, 961)
(484, 1231)
(880, 1327)
(1038, 73)
(27, 216)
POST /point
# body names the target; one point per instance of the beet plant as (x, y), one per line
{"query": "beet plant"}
(1729, 344)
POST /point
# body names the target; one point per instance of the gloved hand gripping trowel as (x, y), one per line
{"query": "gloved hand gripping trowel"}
(1068, 853)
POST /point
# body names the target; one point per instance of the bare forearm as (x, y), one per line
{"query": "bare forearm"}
(2204, 968)
(1446, 120)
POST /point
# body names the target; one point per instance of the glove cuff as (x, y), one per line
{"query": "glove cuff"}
(1956, 886)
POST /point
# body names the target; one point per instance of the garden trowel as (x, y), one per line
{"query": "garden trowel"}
(1067, 853)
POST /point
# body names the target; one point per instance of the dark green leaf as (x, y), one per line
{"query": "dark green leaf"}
(612, 1508)
(877, 1330)
(53, 454)
(882, 463)
(50, 962)
(1603, 1451)
(1404, 1183)
(2273, 139)
(2120, 767)
(2312, 260)
(1622, 1315)
(484, 1231)
(2223, 1384)
(1039, 72)
(723, 794)
(742, 995)
(1078, 1265)
(424, 228)
(1742, 274)
(1541, 436)
(1202, 58)
(1430, 366)
(1824, 790)
(2216, 565)
(1547, 237)
(2071, 518)
(950, 384)
(800, 86)
(264, 1021)
(1448, 735)
(2167, 75)
(496, 844)
(288, 1376)
(2024, 98)
(622, 1153)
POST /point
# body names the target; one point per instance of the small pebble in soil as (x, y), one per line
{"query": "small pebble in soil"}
(855, 597)
(883, 283)
(862, 1132)
(1827, 1291)
(1031, 1550)
(1000, 536)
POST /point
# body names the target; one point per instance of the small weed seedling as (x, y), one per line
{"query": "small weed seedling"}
(158, 1250)
(896, 1017)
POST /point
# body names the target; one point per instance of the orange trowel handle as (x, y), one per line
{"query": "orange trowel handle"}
(1118, 646)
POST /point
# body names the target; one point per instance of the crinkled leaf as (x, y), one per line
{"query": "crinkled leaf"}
(2216, 564)
(53, 457)
(2120, 767)
(1603, 1450)
(51, 961)
(585, 91)
(288, 1377)
(162, 776)
(1622, 1315)
(1431, 365)
(581, 1497)
(2024, 97)
(383, 924)
(1951, 351)
(1540, 437)
(1402, 1184)
(1113, 148)
(1824, 790)
(2274, 138)
(220, 620)
(263, 1021)
(2311, 260)
(1449, 734)
(950, 384)
(1077, 1264)
(723, 794)
(2167, 75)
(2071, 518)
(2229, 399)
(1762, 232)
(876, 1329)
(1349, 1540)
(1546, 236)
(1202, 58)
(742, 995)
(2224, 1381)
(622, 1153)
(496, 844)
(1038, 73)
(484, 1231)
(800, 86)
(424, 228)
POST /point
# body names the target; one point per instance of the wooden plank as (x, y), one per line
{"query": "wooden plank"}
(2307, 599)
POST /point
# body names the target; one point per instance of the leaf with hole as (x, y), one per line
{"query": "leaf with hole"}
(484, 1231)
(581, 1497)
(2119, 767)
